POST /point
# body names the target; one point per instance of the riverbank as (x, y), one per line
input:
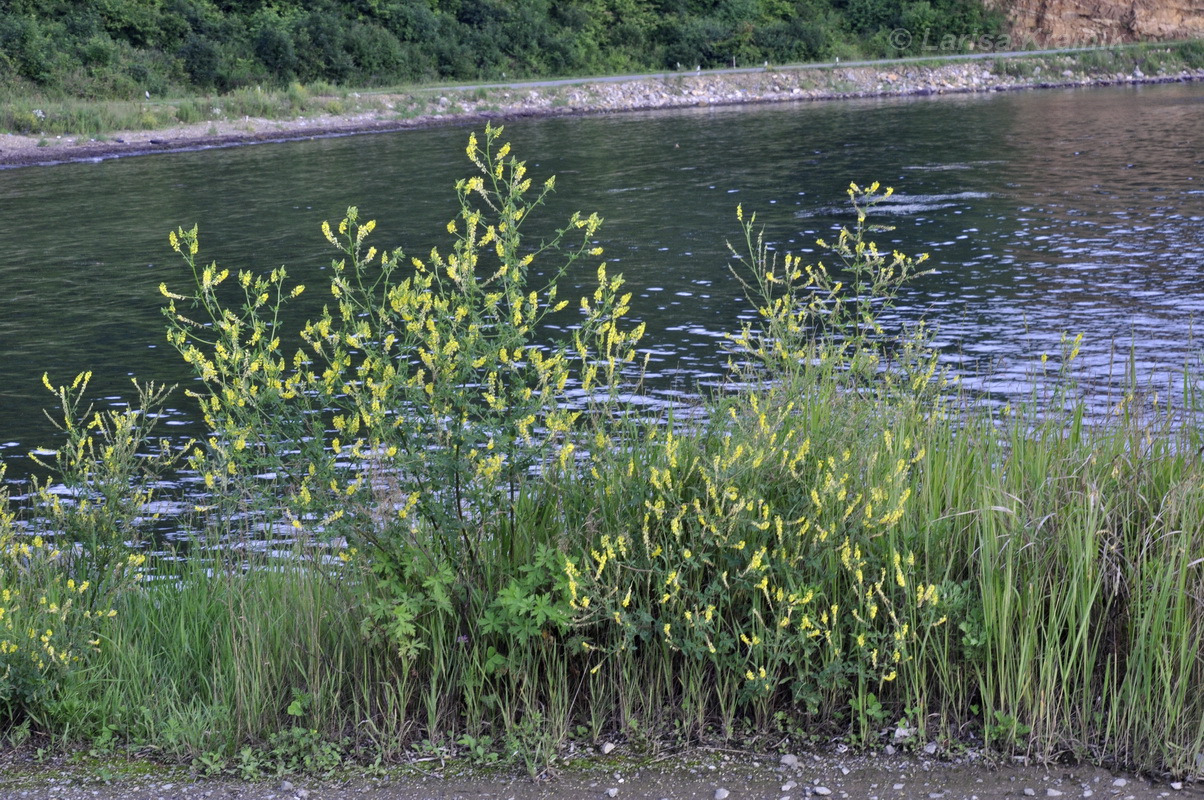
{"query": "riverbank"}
(355, 113)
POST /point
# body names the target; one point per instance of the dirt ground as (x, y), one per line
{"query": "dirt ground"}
(694, 775)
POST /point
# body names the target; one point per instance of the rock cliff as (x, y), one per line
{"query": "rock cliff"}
(1071, 23)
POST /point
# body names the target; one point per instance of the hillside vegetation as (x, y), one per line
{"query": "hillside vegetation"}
(121, 49)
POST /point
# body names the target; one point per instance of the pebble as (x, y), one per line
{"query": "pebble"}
(1052, 793)
(286, 786)
(788, 785)
(930, 748)
(1030, 792)
(789, 760)
(721, 794)
(822, 791)
(607, 748)
(612, 792)
(1177, 786)
(1120, 783)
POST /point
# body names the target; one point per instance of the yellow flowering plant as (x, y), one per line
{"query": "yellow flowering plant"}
(821, 320)
(769, 549)
(427, 410)
(64, 568)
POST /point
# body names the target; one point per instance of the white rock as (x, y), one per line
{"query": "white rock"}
(789, 760)
(1120, 782)
(930, 748)
(607, 748)
(1177, 786)
(822, 791)
(721, 793)
(788, 785)
(1052, 793)
(612, 792)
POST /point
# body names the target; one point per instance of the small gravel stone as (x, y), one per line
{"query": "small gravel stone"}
(612, 792)
(607, 748)
(721, 793)
(822, 791)
(1120, 783)
(930, 748)
(789, 785)
(1177, 786)
(1030, 792)
(789, 760)
(1052, 793)
(286, 786)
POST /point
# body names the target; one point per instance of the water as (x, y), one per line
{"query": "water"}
(1044, 212)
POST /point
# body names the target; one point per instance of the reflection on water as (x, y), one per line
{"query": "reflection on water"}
(1078, 211)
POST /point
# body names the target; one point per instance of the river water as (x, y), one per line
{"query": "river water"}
(1077, 211)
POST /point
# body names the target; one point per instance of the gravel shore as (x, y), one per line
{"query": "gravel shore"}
(702, 775)
(463, 105)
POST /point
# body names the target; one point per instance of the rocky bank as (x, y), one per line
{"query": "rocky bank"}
(389, 112)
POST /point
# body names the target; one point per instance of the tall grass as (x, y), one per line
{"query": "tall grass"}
(839, 547)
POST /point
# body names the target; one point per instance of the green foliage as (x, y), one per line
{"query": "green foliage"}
(119, 48)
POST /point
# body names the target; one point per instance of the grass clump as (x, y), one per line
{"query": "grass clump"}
(499, 556)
